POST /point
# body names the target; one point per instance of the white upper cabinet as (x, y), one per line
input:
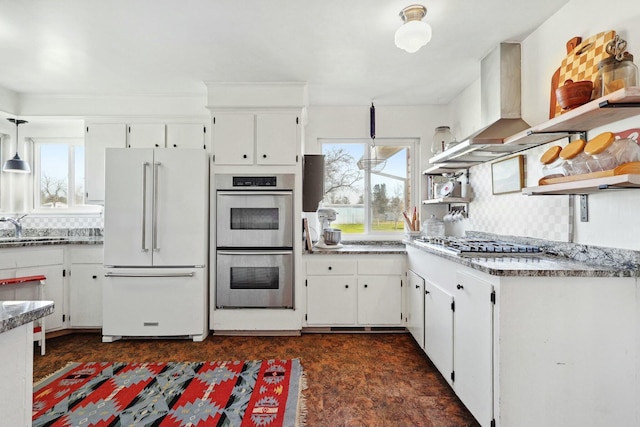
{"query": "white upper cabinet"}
(186, 135)
(233, 138)
(99, 136)
(146, 135)
(256, 138)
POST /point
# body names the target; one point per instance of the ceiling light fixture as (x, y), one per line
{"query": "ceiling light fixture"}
(414, 33)
(16, 164)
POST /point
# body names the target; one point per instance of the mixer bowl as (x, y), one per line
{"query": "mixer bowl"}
(332, 236)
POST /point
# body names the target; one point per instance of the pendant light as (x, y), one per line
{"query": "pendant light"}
(16, 164)
(372, 163)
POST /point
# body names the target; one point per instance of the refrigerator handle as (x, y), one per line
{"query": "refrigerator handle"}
(144, 206)
(155, 207)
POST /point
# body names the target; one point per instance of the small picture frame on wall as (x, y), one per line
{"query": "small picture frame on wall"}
(507, 176)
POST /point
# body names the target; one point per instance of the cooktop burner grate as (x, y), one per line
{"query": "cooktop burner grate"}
(478, 247)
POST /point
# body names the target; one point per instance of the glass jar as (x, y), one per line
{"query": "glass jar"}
(602, 150)
(552, 163)
(575, 159)
(613, 75)
(627, 150)
(442, 138)
(433, 227)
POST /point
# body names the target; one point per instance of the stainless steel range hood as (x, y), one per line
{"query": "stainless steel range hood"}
(500, 97)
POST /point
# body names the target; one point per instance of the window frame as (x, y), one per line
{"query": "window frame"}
(413, 178)
(71, 208)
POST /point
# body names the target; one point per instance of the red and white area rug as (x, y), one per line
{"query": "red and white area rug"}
(255, 393)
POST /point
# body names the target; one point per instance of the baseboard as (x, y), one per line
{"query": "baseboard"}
(355, 330)
(293, 333)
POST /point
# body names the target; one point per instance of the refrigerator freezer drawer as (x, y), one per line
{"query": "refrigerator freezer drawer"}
(154, 302)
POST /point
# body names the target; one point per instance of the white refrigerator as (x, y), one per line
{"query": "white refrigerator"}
(155, 243)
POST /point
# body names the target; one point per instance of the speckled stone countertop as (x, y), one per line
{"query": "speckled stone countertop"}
(52, 236)
(17, 313)
(547, 264)
(364, 248)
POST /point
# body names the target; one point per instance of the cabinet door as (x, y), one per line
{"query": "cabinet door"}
(473, 341)
(379, 300)
(233, 137)
(186, 135)
(415, 307)
(85, 295)
(53, 291)
(146, 135)
(98, 137)
(438, 328)
(331, 301)
(277, 139)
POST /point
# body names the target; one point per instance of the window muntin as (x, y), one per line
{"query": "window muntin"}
(369, 202)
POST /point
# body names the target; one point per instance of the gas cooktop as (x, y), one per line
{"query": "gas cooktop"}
(467, 247)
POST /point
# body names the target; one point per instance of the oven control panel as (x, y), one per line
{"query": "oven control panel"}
(255, 181)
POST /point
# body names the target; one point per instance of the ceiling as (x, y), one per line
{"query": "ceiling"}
(343, 49)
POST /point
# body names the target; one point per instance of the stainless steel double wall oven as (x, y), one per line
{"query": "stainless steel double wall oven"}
(254, 241)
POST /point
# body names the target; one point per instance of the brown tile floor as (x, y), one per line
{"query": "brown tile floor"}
(354, 379)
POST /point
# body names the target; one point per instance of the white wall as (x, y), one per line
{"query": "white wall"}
(612, 214)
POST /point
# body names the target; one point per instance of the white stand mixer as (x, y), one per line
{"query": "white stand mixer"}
(325, 217)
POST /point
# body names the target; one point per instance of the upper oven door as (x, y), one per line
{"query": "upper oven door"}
(249, 219)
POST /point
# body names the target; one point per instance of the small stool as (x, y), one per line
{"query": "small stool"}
(38, 329)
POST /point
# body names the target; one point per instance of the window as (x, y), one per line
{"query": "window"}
(59, 173)
(370, 187)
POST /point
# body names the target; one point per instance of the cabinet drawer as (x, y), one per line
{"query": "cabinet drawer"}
(380, 266)
(86, 254)
(330, 267)
(32, 257)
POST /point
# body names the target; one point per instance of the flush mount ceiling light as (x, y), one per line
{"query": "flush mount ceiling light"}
(16, 164)
(414, 33)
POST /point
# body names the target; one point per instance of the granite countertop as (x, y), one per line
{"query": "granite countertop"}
(52, 236)
(364, 248)
(18, 313)
(535, 266)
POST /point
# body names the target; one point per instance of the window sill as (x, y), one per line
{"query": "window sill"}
(88, 211)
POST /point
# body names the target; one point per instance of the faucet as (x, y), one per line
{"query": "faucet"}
(16, 224)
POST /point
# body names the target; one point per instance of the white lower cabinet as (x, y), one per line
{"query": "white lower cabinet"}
(530, 351)
(85, 286)
(351, 290)
(473, 345)
(438, 328)
(415, 307)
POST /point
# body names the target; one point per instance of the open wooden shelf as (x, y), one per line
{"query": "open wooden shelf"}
(586, 186)
(446, 200)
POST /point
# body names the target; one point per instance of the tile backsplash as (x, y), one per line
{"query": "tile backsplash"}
(67, 222)
(542, 217)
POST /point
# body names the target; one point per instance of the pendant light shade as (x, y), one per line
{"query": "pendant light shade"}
(16, 164)
(414, 33)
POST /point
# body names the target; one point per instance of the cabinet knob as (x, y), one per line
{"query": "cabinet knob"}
(346, 286)
(417, 286)
(157, 145)
(175, 145)
(459, 286)
(94, 277)
(366, 286)
(244, 156)
(330, 267)
(426, 292)
(264, 156)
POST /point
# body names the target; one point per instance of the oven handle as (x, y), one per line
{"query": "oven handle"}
(255, 252)
(255, 193)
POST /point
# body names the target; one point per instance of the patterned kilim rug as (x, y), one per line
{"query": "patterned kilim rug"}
(249, 393)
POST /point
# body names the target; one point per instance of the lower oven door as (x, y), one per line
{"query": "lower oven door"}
(254, 279)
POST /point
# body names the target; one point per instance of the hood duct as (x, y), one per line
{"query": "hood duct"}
(500, 93)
